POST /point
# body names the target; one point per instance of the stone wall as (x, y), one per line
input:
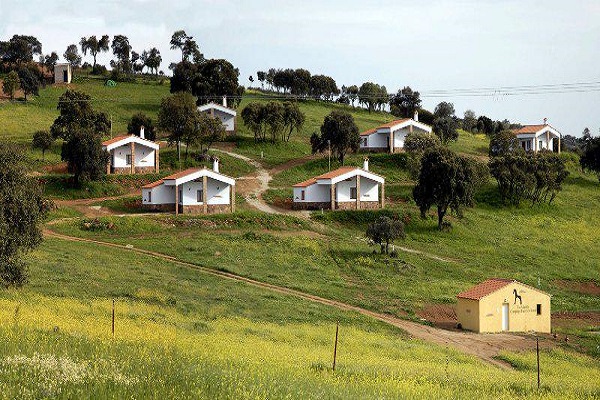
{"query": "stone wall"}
(311, 205)
(351, 205)
(159, 207)
(374, 150)
(144, 170)
(120, 170)
(210, 209)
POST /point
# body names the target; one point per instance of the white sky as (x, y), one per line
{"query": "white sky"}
(428, 45)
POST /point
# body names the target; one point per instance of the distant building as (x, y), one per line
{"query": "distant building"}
(194, 191)
(538, 137)
(390, 137)
(130, 154)
(62, 73)
(503, 305)
(347, 188)
(224, 113)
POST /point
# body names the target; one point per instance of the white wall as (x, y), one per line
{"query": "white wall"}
(118, 155)
(399, 136)
(144, 156)
(313, 194)
(161, 194)
(369, 190)
(227, 119)
(376, 140)
(217, 192)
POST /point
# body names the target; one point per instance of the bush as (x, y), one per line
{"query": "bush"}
(97, 69)
(95, 225)
(13, 272)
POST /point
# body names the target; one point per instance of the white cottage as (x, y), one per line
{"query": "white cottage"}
(347, 188)
(224, 113)
(131, 154)
(62, 73)
(195, 191)
(538, 137)
(390, 137)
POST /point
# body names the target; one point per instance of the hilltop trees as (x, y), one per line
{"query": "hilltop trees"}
(384, 231)
(76, 114)
(469, 122)
(72, 56)
(446, 180)
(338, 131)
(20, 49)
(503, 143)
(445, 123)
(29, 80)
(151, 59)
(122, 51)
(214, 79)
(11, 84)
(372, 95)
(137, 121)
(94, 46)
(273, 118)
(590, 159)
(188, 46)
(178, 116)
(50, 61)
(405, 103)
(22, 211)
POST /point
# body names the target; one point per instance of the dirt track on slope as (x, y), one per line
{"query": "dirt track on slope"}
(485, 347)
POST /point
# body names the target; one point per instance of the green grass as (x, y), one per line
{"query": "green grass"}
(185, 334)
(61, 186)
(471, 144)
(228, 165)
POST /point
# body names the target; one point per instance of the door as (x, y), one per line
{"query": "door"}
(504, 317)
(65, 77)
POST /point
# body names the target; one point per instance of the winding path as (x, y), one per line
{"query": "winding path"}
(485, 347)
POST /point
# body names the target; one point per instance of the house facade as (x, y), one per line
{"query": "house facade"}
(346, 188)
(62, 73)
(224, 113)
(535, 138)
(390, 137)
(193, 191)
(504, 305)
(131, 154)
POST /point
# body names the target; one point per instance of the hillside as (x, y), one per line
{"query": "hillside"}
(226, 306)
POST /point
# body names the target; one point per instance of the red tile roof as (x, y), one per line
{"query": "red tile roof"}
(396, 122)
(336, 172)
(477, 292)
(153, 184)
(369, 132)
(183, 173)
(115, 140)
(530, 129)
(306, 183)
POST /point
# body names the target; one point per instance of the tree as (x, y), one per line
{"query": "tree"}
(137, 121)
(20, 49)
(152, 60)
(29, 81)
(72, 56)
(251, 79)
(503, 143)
(445, 180)
(352, 92)
(405, 103)
(183, 77)
(420, 142)
(444, 122)
(215, 79)
(252, 115)
(384, 231)
(469, 121)
(122, 51)
(11, 84)
(178, 40)
(485, 125)
(372, 95)
(22, 212)
(85, 157)
(94, 46)
(178, 116)
(42, 140)
(77, 114)
(50, 61)
(211, 129)
(261, 76)
(590, 159)
(340, 131)
(293, 118)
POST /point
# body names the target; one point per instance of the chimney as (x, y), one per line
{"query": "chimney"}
(416, 116)
(142, 132)
(366, 164)
(216, 164)
(545, 121)
(224, 101)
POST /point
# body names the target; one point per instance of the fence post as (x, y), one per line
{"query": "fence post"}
(337, 328)
(113, 318)
(537, 350)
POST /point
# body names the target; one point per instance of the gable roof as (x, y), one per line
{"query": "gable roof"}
(126, 139)
(306, 183)
(338, 175)
(226, 110)
(535, 129)
(481, 290)
(194, 173)
(398, 124)
(153, 184)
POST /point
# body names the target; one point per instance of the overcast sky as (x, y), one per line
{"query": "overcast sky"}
(429, 45)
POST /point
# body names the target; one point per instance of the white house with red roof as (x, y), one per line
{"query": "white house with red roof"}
(390, 137)
(349, 188)
(131, 154)
(195, 191)
(538, 137)
(225, 114)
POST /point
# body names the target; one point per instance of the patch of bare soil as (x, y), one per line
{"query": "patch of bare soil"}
(580, 319)
(440, 315)
(60, 168)
(584, 287)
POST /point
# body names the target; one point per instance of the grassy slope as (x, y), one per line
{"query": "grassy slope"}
(181, 334)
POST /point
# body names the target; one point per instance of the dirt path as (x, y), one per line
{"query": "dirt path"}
(485, 347)
(85, 207)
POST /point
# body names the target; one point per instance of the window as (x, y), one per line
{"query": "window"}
(128, 159)
(200, 196)
(541, 145)
(149, 197)
(539, 309)
(352, 193)
(302, 195)
(364, 142)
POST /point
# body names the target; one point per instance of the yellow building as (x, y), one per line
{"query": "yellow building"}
(503, 305)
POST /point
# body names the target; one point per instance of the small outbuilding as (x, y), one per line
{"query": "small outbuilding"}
(131, 154)
(390, 137)
(62, 73)
(346, 188)
(194, 191)
(535, 138)
(503, 305)
(224, 113)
